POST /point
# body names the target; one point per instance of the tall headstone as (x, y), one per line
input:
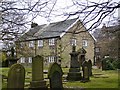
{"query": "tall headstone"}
(104, 64)
(81, 55)
(90, 67)
(55, 75)
(16, 77)
(74, 71)
(85, 70)
(98, 62)
(37, 73)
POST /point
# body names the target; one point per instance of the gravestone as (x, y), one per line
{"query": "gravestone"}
(81, 55)
(37, 73)
(85, 70)
(90, 67)
(103, 64)
(16, 77)
(74, 71)
(55, 75)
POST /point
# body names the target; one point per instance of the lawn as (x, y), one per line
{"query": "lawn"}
(107, 79)
(100, 79)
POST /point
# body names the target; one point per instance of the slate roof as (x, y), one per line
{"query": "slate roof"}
(30, 34)
(48, 31)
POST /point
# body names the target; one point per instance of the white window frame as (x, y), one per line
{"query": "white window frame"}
(31, 44)
(73, 41)
(84, 42)
(40, 43)
(21, 45)
(51, 59)
(22, 60)
(29, 59)
(97, 49)
(52, 42)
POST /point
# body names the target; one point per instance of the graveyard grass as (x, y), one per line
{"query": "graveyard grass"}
(103, 79)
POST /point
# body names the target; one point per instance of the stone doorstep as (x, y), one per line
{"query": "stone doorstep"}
(27, 84)
(73, 88)
(44, 71)
(28, 77)
(100, 76)
(41, 83)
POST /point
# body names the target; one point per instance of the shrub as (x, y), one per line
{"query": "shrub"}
(108, 64)
(116, 64)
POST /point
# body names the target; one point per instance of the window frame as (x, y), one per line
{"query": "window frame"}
(29, 59)
(84, 42)
(73, 41)
(97, 49)
(22, 60)
(51, 42)
(40, 43)
(51, 59)
(31, 44)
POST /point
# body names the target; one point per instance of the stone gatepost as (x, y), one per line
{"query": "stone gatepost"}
(74, 71)
(37, 73)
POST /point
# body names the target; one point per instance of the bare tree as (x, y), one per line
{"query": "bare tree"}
(95, 13)
(17, 13)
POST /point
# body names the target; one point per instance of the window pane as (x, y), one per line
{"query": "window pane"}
(30, 60)
(84, 43)
(31, 44)
(51, 41)
(51, 59)
(40, 43)
(97, 49)
(73, 42)
(22, 59)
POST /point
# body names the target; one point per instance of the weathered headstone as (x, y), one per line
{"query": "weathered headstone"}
(85, 71)
(55, 75)
(81, 55)
(37, 73)
(98, 62)
(16, 77)
(103, 64)
(74, 71)
(90, 67)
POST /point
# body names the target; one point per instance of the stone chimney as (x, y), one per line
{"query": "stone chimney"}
(104, 26)
(34, 25)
